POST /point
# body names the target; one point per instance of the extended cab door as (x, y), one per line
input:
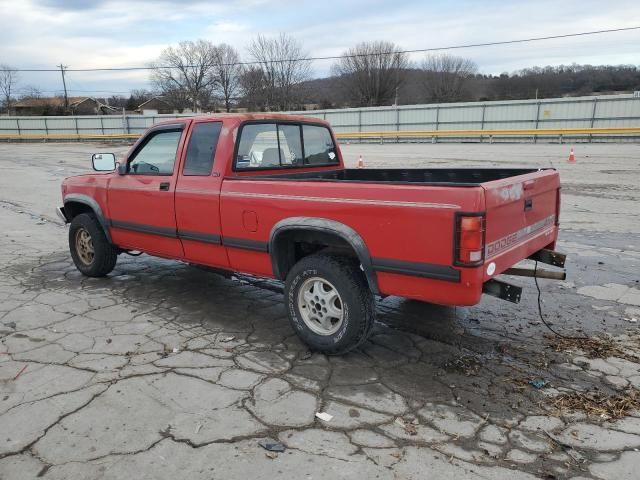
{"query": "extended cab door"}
(141, 201)
(198, 197)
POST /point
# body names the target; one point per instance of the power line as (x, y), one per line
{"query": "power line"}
(336, 57)
(69, 90)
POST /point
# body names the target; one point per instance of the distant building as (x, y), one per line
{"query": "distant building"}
(154, 106)
(56, 106)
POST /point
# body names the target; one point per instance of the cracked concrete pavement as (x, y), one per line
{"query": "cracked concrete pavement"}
(171, 371)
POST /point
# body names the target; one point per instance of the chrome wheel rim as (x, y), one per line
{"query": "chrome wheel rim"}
(320, 306)
(84, 246)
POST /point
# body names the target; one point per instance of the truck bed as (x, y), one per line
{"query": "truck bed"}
(410, 216)
(422, 176)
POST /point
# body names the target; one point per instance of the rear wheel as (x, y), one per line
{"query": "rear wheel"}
(329, 303)
(92, 253)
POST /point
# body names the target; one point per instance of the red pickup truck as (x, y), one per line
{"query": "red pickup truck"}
(268, 195)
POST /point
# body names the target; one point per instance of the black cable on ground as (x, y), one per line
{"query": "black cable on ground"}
(568, 337)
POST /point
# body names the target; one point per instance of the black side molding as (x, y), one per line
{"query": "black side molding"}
(245, 244)
(211, 238)
(199, 237)
(426, 270)
(138, 227)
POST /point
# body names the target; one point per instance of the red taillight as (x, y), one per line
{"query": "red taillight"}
(469, 239)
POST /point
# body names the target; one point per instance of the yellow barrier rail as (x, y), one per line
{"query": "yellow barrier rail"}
(369, 135)
(69, 136)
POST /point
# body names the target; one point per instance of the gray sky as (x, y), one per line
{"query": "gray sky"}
(106, 33)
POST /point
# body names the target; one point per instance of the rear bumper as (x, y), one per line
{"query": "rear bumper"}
(468, 288)
(62, 214)
(466, 291)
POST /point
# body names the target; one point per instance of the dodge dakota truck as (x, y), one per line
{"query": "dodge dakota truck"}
(268, 195)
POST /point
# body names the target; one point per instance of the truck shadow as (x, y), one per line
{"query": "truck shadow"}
(191, 295)
(423, 352)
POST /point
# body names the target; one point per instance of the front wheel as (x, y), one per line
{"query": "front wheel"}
(90, 249)
(329, 303)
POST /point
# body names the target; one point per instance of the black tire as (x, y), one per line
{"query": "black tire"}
(104, 254)
(355, 299)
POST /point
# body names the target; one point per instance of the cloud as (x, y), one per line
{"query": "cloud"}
(71, 4)
(124, 33)
(93, 4)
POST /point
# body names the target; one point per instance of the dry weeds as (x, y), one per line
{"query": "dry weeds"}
(599, 404)
(593, 347)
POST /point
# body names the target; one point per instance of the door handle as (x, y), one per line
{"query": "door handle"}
(164, 186)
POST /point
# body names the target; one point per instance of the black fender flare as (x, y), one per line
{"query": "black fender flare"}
(91, 203)
(324, 225)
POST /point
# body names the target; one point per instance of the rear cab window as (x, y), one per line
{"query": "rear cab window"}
(273, 145)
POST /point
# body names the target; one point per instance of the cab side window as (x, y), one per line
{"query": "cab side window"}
(202, 149)
(282, 145)
(158, 154)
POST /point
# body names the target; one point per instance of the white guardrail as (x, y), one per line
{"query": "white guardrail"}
(599, 118)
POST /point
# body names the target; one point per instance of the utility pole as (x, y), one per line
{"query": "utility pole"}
(64, 84)
(397, 62)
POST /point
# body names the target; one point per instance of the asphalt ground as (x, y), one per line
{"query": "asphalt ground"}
(170, 371)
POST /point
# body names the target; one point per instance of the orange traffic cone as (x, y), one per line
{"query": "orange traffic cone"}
(360, 162)
(572, 157)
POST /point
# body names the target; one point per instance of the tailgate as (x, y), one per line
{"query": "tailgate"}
(520, 218)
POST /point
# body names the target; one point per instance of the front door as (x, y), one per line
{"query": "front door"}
(198, 197)
(141, 202)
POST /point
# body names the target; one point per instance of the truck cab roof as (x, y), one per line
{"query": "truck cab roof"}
(246, 117)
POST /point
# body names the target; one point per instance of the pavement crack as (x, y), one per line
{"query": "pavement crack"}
(28, 447)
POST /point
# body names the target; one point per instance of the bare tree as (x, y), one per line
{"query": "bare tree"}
(253, 86)
(371, 72)
(185, 73)
(117, 101)
(446, 77)
(227, 72)
(30, 92)
(284, 66)
(137, 97)
(180, 99)
(8, 80)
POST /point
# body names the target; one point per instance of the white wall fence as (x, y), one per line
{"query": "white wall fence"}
(602, 112)
(578, 112)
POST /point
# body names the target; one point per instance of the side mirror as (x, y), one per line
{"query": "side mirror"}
(121, 168)
(103, 162)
